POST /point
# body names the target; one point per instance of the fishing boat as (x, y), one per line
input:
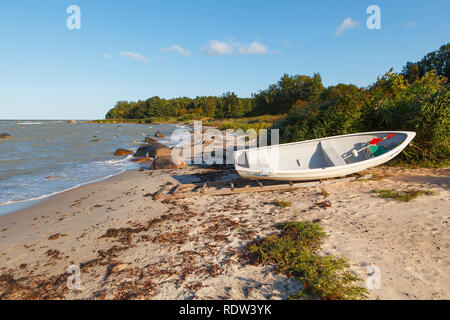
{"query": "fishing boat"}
(322, 158)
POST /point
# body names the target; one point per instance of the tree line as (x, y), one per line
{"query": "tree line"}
(289, 93)
(229, 105)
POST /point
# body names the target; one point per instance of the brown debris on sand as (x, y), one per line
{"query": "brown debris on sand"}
(193, 248)
(57, 236)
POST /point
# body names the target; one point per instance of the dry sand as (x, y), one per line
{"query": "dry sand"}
(132, 247)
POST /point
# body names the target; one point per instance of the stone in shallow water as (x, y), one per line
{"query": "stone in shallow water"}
(122, 152)
(143, 159)
(153, 150)
(5, 136)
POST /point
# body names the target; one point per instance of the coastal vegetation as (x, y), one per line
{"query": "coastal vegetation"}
(294, 251)
(184, 109)
(437, 60)
(302, 108)
(392, 103)
(404, 196)
(256, 122)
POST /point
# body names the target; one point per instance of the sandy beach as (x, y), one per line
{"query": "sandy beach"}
(129, 246)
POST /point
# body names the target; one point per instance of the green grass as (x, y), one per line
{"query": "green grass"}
(294, 251)
(235, 125)
(282, 204)
(256, 123)
(404, 196)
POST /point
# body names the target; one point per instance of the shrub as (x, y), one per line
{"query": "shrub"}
(294, 252)
(390, 104)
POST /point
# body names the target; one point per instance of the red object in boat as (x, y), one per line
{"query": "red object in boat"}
(376, 140)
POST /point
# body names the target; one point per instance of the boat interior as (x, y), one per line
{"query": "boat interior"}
(321, 153)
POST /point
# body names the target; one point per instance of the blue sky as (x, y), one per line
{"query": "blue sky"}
(130, 50)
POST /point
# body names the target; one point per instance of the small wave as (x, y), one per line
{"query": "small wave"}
(58, 192)
(179, 136)
(63, 180)
(54, 178)
(25, 123)
(66, 163)
(116, 161)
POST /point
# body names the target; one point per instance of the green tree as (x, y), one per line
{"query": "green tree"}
(209, 106)
(438, 60)
(280, 97)
(232, 106)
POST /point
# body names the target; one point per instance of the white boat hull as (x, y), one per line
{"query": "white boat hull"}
(310, 160)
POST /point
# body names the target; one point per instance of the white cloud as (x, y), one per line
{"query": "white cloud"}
(176, 48)
(228, 47)
(410, 24)
(217, 48)
(347, 24)
(135, 56)
(253, 48)
(107, 56)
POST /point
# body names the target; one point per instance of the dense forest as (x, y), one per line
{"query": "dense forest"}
(417, 99)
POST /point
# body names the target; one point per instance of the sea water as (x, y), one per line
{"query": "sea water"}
(48, 157)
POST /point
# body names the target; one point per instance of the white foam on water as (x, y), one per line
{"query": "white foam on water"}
(65, 168)
(26, 123)
(179, 137)
(43, 197)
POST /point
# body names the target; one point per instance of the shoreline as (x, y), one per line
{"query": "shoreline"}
(11, 207)
(58, 197)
